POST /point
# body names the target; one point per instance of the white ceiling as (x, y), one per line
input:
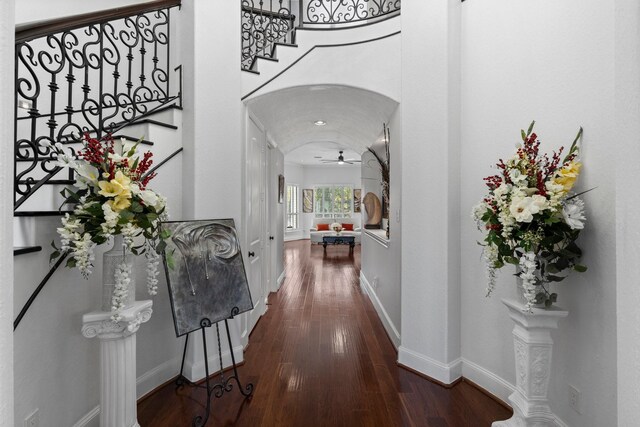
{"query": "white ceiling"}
(308, 154)
(353, 117)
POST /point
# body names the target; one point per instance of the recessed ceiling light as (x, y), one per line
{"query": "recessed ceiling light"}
(319, 123)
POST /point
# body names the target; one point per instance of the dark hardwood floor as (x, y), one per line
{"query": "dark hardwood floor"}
(320, 357)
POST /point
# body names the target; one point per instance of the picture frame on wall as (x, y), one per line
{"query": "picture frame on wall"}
(280, 188)
(357, 200)
(307, 201)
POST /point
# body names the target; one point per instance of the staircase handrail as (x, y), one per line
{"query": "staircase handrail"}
(33, 30)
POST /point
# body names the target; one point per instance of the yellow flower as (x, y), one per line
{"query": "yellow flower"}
(117, 187)
(567, 175)
(110, 188)
(122, 179)
(119, 203)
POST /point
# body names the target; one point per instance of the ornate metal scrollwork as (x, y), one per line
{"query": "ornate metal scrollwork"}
(264, 23)
(348, 11)
(95, 79)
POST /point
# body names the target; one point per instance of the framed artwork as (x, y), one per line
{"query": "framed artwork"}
(357, 200)
(205, 273)
(307, 201)
(280, 188)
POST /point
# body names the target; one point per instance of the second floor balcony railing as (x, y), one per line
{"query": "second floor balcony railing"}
(339, 12)
(268, 22)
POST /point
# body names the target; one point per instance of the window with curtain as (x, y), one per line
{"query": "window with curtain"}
(333, 201)
(293, 208)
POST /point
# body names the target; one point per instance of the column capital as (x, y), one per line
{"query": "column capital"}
(537, 318)
(99, 323)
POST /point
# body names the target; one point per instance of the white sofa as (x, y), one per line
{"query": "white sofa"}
(316, 236)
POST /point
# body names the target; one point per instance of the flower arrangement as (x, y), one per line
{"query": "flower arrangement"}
(532, 219)
(337, 227)
(111, 198)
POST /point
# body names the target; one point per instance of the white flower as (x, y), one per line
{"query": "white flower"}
(538, 203)
(110, 220)
(490, 253)
(129, 232)
(573, 213)
(501, 190)
(521, 209)
(477, 212)
(148, 197)
(87, 175)
(121, 289)
(153, 260)
(518, 178)
(528, 276)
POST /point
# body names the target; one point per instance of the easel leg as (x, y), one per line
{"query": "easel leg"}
(181, 379)
(199, 421)
(248, 390)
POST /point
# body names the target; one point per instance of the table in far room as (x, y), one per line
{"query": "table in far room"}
(339, 240)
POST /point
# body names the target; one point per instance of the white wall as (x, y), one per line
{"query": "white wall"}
(627, 106)
(331, 57)
(553, 62)
(312, 176)
(41, 10)
(6, 212)
(380, 262)
(430, 188)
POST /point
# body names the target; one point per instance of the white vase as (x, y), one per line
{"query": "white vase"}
(110, 260)
(533, 349)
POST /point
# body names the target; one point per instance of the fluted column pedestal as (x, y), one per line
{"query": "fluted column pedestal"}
(117, 361)
(533, 349)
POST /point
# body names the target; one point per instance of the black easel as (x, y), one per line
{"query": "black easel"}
(225, 383)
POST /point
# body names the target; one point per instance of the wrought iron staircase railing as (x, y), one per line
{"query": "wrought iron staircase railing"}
(267, 23)
(332, 12)
(264, 24)
(94, 73)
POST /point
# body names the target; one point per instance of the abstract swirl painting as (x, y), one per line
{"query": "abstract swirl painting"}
(205, 273)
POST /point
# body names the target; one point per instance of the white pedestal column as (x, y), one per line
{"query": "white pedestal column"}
(117, 361)
(533, 348)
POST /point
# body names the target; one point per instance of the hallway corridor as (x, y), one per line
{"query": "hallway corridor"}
(320, 357)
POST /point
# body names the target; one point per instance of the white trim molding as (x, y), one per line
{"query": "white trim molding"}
(195, 372)
(446, 373)
(494, 384)
(391, 329)
(280, 280)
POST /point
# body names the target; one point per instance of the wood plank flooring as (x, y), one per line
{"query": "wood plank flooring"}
(320, 357)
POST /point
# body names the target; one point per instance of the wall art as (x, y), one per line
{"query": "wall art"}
(205, 272)
(357, 200)
(307, 201)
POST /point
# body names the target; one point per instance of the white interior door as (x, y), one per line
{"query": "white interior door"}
(255, 219)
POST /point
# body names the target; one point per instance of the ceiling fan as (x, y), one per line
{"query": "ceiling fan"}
(341, 160)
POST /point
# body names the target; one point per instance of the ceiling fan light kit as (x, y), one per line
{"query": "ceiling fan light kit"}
(341, 160)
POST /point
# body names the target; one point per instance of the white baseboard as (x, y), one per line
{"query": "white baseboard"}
(280, 281)
(493, 383)
(195, 372)
(486, 379)
(162, 373)
(145, 383)
(392, 331)
(88, 419)
(446, 373)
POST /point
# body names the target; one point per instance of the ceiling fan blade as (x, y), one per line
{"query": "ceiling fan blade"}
(353, 160)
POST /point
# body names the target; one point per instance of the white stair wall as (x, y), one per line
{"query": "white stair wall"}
(310, 42)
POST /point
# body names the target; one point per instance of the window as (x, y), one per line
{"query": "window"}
(293, 209)
(334, 201)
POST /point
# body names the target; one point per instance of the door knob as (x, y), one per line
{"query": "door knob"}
(270, 237)
(252, 254)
